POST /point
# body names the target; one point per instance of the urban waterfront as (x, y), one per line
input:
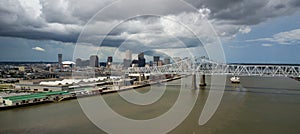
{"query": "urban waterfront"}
(256, 105)
(149, 66)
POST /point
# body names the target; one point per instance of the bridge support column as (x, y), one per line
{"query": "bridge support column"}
(140, 78)
(202, 81)
(194, 85)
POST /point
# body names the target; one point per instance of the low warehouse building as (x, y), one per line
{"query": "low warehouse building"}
(32, 98)
(40, 88)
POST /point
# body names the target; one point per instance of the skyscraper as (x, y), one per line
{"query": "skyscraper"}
(160, 63)
(94, 61)
(155, 60)
(60, 61)
(78, 62)
(128, 55)
(142, 60)
(126, 63)
(141, 55)
(127, 59)
(167, 60)
(109, 61)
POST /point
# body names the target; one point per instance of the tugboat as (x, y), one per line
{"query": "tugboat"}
(235, 79)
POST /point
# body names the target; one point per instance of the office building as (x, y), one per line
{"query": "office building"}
(167, 60)
(60, 61)
(94, 61)
(109, 61)
(128, 55)
(155, 60)
(126, 63)
(141, 60)
(160, 63)
(127, 60)
(78, 62)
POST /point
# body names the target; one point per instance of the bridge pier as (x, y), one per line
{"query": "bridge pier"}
(194, 84)
(141, 77)
(202, 81)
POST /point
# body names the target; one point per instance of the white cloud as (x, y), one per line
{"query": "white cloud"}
(285, 38)
(39, 49)
(32, 7)
(245, 29)
(289, 37)
(204, 12)
(261, 39)
(266, 45)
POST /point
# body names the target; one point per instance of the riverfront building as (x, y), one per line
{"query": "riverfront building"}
(33, 98)
(40, 88)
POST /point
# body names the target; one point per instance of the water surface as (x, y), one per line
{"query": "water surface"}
(257, 105)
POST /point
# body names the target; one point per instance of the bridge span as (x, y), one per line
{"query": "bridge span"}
(202, 66)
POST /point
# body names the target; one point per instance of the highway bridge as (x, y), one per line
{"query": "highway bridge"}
(203, 66)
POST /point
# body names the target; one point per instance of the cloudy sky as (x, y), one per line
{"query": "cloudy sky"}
(250, 31)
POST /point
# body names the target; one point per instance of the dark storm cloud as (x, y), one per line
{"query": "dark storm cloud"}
(147, 32)
(71, 11)
(155, 53)
(60, 20)
(36, 35)
(14, 17)
(17, 21)
(112, 42)
(280, 6)
(63, 20)
(247, 12)
(137, 46)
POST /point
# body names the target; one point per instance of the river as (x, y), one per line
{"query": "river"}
(256, 105)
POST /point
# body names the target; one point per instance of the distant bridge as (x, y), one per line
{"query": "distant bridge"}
(207, 67)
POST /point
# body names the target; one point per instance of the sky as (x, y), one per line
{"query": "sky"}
(247, 31)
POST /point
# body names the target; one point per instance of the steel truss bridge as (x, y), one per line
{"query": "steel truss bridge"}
(207, 67)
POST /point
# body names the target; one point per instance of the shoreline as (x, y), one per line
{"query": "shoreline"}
(90, 95)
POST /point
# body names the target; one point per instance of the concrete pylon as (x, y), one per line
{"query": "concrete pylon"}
(202, 81)
(194, 85)
(140, 77)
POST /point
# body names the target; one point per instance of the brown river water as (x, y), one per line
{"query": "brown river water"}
(256, 105)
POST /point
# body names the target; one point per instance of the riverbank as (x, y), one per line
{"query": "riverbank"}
(41, 98)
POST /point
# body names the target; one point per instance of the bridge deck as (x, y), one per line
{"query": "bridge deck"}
(211, 68)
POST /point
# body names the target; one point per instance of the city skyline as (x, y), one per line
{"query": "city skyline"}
(263, 32)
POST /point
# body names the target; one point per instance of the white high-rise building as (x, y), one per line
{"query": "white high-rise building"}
(128, 55)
